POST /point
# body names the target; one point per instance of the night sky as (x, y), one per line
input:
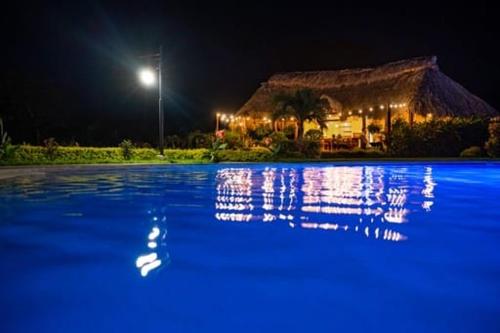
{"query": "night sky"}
(69, 69)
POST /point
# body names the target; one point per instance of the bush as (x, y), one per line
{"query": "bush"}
(473, 151)
(436, 138)
(71, 155)
(289, 132)
(186, 154)
(493, 144)
(311, 148)
(51, 148)
(256, 154)
(279, 144)
(127, 148)
(259, 132)
(354, 153)
(313, 135)
(174, 142)
(234, 140)
(197, 140)
(7, 149)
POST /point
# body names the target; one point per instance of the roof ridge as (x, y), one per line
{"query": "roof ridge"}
(423, 61)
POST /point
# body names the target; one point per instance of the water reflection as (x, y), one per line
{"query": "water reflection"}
(157, 253)
(368, 200)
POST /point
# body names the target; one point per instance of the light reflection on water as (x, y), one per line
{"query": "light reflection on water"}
(156, 253)
(187, 247)
(371, 201)
(361, 199)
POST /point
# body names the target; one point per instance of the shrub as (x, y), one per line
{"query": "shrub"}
(259, 133)
(256, 154)
(289, 132)
(217, 145)
(127, 149)
(313, 135)
(311, 148)
(234, 140)
(197, 139)
(493, 144)
(174, 142)
(436, 138)
(354, 153)
(70, 155)
(7, 149)
(51, 148)
(473, 151)
(279, 144)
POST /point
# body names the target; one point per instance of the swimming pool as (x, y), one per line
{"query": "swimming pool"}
(388, 247)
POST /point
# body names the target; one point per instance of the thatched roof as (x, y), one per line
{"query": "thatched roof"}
(417, 82)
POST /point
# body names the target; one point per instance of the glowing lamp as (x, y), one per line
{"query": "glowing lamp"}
(147, 77)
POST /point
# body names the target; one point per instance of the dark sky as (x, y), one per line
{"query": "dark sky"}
(75, 63)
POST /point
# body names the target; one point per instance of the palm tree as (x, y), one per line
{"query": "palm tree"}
(303, 105)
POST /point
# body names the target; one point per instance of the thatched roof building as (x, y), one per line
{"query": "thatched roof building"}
(416, 83)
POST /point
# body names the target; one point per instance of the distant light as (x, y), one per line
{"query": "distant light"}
(381, 107)
(360, 111)
(147, 77)
(371, 109)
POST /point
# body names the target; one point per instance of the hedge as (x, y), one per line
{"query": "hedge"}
(257, 154)
(72, 155)
(354, 153)
(85, 155)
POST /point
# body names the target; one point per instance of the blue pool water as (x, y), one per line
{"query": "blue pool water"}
(252, 248)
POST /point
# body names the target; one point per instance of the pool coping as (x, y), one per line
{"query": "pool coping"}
(7, 172)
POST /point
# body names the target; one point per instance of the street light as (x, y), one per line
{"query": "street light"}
(148, 77)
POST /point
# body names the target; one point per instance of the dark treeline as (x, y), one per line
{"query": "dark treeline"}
(33, 111)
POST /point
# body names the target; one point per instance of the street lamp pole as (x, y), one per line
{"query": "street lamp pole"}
(160, 103)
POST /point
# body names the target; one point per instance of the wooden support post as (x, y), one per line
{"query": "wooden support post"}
(388, 125)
